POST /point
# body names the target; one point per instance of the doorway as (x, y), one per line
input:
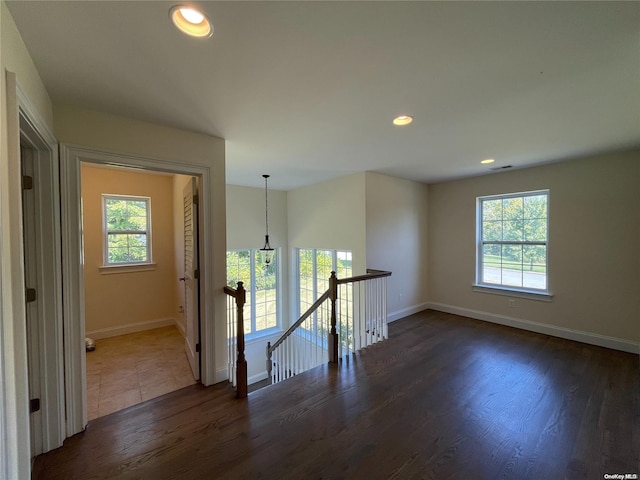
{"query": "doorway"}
(139, 248)
(73, 267)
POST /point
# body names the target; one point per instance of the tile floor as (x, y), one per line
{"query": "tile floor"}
(129, 369)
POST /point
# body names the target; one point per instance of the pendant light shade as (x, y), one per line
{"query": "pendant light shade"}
(266, 253)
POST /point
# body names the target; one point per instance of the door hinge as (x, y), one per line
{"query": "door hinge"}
(195, 199)
(196, 274)
(27, 182)
(34, 405)
(30, 294)
(197, 348)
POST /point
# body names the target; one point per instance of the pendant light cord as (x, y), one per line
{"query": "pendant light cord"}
(266, 205)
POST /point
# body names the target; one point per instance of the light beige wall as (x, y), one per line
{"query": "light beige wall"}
(330, 215)
(594, 236)
(114, 301)
(14, 417)
(396, 229)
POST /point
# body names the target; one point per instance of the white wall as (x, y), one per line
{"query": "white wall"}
(246, 229)
(594, 234)
(14, 417)
(331, 215)
(396, 230)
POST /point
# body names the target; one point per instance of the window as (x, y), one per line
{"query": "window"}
(127, 230)
(261, 284)
(512, 241)
(314, 269)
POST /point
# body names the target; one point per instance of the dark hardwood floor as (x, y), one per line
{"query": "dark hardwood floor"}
(446, 397)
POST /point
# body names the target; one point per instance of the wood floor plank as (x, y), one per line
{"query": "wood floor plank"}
(444, 397)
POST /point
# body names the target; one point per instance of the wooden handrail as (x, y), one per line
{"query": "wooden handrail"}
(304, 316)
(367, 276)
(241, 363)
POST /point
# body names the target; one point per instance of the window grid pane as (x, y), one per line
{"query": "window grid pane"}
(513, 237)
(126, 223)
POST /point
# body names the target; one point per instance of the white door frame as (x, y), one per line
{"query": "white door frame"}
(73, 287)
(25, 126)
(35, 136)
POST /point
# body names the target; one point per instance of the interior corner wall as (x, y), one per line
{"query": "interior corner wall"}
(14, 416)
(330, 215)
(127, 301)
(594, 233)
(396, 229)
(246, 229)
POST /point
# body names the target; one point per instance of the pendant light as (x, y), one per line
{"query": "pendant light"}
(266, 252)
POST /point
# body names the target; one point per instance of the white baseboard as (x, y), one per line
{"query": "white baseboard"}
(257, 378)
(222, 375)
(405, 312)
(181, 328)
(553, 330)
(130, 328)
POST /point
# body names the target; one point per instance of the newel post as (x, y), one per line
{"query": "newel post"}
(333, 334)
(241, 363)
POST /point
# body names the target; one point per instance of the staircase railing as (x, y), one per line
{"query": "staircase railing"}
(349, 316)
(237, 364)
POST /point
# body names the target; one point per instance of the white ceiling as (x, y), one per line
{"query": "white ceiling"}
(306, 91)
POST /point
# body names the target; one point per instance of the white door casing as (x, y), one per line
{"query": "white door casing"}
(31, 309)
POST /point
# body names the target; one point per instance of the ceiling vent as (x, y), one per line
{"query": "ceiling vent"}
(502, 168)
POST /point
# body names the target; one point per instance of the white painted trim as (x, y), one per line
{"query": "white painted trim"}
(513, 292)
(405, 312)
(128, 268)
(41, 141)
(14, 417)
(222, 375)
(257, 377)
(71, 157)
(73, 294)
(553, 330)
(131, 328)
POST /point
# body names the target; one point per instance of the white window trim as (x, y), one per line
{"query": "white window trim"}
(259, 334)
(106, 265)
(507, 290)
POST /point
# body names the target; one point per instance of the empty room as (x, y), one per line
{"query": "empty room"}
(330, 239)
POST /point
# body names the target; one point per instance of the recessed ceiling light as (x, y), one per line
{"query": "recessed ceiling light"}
(402, 120)
(487, 161)
(191, 21)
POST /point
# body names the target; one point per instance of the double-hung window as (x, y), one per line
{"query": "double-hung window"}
(512, 241)
(260, 282)
(127, 230)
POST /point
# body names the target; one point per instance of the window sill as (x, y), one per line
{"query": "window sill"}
(131, 268)
(513, 292)
(262, 335)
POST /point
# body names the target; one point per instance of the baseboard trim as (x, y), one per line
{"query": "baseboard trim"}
(222, 375)
(131, 328)
(555, 331)
(405, 312)
(257, 378)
